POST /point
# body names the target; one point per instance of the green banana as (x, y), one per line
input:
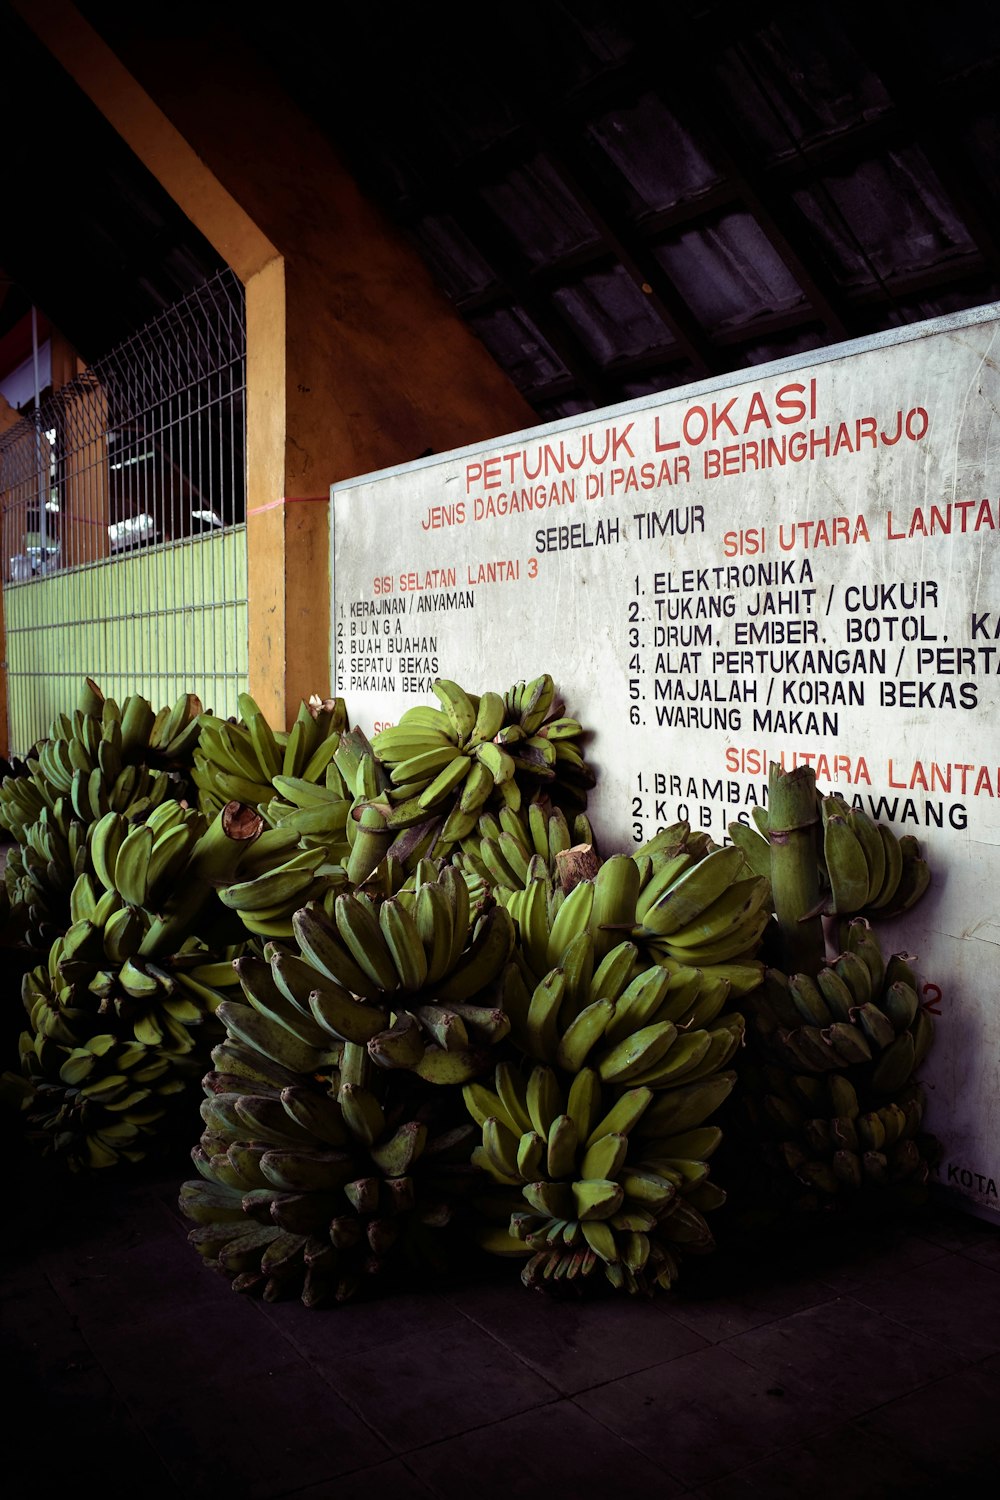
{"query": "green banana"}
(623, 1116)
(279, 887)
(403, 940)
(440, 1066)
(561, 1146)
(321, 944)
(572, 918)
(605, 1157)
(693, 891)
(597, 1199)
(271, 1039)
(642, 1050)
(541, 1026)
(462, 715)
(400, 1045)
(543, 1099)
(483, 959)
(893, 869)
(582, 1034)
(358, 926)
(844, 858)
(511, 1090)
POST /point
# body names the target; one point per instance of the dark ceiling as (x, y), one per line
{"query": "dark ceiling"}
(618, 198)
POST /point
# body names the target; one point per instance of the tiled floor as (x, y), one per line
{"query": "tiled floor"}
(865, 1365)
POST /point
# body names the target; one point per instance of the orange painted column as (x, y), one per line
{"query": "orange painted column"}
(355, 361)
(287, 548)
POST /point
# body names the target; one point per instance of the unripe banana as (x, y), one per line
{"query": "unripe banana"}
(561, 1147)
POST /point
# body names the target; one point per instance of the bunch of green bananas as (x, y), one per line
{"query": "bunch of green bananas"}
(589, 1175)
(330, 822)
(317, 1171)
(104, 758)
(270, 890)
(680, 910)
(134, 982)
(447, 765)
(413, 978)
(318, 806)
(111, 1056)
(865, 868)
(98, 1102)
(321, 841)
(859, 1023)
(631, 1024)
(557, 765)
(702, 909)
(859, 1012)
(510, 847)
(238, 761)
(602, 1024)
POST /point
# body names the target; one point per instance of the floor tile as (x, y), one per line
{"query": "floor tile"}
(389, 1481)
(165, 1313)
(155, 1269)
(952, 1300)
(172, 1342)
(421, 1389)
(579, 1342)
(987, 1252)
(949, 1427)
(362, 1324)
(266, 1434)
(706, 1414)
(35, 1323)
(18, 1282)
(831, 1466)
(74, 1436)
(720, 1315)
(880, 1255)
(954, 1228)
(557, 1453)
(845, 1352)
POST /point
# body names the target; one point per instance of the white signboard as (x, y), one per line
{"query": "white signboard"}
(797, 565)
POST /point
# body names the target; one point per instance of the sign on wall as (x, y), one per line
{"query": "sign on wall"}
(799, 565)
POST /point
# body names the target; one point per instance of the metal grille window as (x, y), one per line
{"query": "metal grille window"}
(124, 502)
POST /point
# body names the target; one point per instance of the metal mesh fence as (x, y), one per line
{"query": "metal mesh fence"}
(123, 540)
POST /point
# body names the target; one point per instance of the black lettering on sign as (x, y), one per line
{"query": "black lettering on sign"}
(928, 695)
(968, 1178)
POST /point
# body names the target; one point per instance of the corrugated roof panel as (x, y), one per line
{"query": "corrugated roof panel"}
(518, 347)
(887, 218)
(611, 316)
(915, 309)
(981, 139)
(958, 39)
(586, 38)
(650, 153)
(458, 267)
(798, 342)
(729, 272)
(537, 212)
(799, 80)
(659, 380)
(572, 406)
(465, 112)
